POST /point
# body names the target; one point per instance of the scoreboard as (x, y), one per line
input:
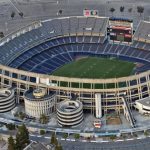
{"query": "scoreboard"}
(120, 30)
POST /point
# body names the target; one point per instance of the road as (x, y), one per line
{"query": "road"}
(138, 144)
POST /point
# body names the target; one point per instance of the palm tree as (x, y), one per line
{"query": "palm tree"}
(76, 136)
(11, 143)
(60, 11)
(1, 34)
(112, 137)
(58, 147)
(12, 14)
(140, 9)
(130, 10)
(21, 14)
(146, 133)
(43, 119)
(122, 9)
(112, 10)
(65, 135)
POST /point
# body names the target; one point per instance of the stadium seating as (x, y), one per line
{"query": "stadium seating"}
(57, 41)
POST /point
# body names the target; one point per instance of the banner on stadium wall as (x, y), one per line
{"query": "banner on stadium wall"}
(45, 81)
(90, 13)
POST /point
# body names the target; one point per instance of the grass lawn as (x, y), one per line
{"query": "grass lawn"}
(94, 67)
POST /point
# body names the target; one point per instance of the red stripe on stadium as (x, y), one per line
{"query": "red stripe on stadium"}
(127, 35)
(121, 27)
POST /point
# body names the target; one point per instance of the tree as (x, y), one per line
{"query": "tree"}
(43, 119)
(11, 143)
(112, 10)
(58, 147)
(65, 135)
(122, 9)
(1, 34)
(76, 136)
(146, 133)
(140, 9)
(21, 115)
(21, 14)
(18, 143)
(10, 126)
(60, 11)
(54, 139)
(130, 10)
(22, 137)
(12, 14)
(112, 137)
(42, 132)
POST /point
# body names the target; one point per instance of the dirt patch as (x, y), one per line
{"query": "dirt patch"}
(113, 120)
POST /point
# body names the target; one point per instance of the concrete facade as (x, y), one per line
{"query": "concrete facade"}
(35, 107)
(7, 100)
(69, 113)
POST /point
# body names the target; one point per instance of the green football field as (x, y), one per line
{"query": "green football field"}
(94, 67)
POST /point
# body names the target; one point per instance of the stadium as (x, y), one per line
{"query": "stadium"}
(96, 60)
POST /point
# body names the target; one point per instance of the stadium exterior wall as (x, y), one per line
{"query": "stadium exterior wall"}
(111, 97)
